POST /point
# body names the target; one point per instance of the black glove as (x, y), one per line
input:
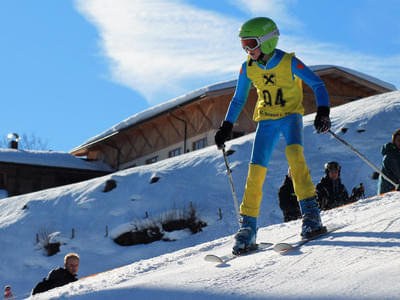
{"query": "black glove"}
(223, 134)
(322, 123)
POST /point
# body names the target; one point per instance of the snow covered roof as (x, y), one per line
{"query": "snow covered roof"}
(50, 159)
(202, 92)
(159, 109)
(366, 77)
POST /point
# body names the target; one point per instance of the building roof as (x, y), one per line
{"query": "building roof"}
(368, 78)
(174, 103)
(50, 159)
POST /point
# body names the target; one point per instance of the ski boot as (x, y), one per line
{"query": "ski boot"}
(245, 238)
(312, 224)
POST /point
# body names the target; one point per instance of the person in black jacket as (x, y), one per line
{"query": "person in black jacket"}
(390, 164)
(288, 200)
(330, 190)
(60, 276)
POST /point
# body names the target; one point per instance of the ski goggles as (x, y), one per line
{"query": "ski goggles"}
(252, 43)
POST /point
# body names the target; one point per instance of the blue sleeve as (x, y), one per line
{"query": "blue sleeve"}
(312, 80)
(240, 97)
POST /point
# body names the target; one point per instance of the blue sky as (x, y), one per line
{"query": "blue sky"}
(70, 70)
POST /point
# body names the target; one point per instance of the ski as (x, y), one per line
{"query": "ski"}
(283, 247)
(222, 260)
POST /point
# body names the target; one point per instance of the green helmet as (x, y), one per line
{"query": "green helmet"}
(264, 30)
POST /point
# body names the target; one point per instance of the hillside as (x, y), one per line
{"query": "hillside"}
(199, 179)
(360, 261)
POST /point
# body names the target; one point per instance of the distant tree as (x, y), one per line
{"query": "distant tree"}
(26, 142)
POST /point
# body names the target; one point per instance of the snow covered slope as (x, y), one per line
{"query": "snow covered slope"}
(360, 261)
(348, 263)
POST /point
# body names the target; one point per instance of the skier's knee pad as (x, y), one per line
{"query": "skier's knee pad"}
(253, 191)
(303, 186)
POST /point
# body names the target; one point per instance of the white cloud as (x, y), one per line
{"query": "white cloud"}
(156, 45)
(163, 49)
(277, 10)
(319, 53)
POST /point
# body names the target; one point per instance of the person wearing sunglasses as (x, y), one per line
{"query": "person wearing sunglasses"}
(278, 77)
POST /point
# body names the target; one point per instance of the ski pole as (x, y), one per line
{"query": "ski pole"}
(396, 186)
(228, 170)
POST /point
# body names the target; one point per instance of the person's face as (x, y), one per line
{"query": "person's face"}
(255, 54)
(397, 141)
(72, 265)
(333, 174)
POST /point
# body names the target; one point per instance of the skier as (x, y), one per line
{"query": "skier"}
(390, 164)
(330, 190)
(288, 200)
(277, 76)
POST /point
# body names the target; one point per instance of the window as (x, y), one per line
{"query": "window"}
(199, 144)
(175, 152)
(151, 160)
(3, 179)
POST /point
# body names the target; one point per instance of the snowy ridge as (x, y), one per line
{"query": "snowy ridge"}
(51, 159)
(358, 262)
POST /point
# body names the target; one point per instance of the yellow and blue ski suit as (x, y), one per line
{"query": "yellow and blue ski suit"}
(279, 110)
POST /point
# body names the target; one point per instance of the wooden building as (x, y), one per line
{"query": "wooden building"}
(29, 171)
(189, 122)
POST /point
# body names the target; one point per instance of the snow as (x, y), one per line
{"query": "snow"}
(191, 96)
(50, 159)
(359, 261)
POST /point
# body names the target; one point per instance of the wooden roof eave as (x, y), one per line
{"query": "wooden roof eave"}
(335, 72)
(84, 149)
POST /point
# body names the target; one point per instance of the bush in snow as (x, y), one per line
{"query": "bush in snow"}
(149, 230)
(182, 219)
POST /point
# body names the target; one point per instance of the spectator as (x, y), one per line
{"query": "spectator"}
(8, 295)
(288, 200)
(390, 164)
(330, 190)
(60, 276)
